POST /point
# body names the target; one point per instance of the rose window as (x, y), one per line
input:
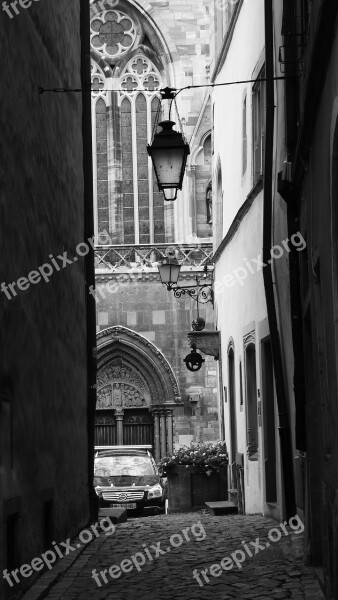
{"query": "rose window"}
(113, 33)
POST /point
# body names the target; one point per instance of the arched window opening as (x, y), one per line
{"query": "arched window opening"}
(129, 209)
(232, 406)
(102, 163)
(145, 223)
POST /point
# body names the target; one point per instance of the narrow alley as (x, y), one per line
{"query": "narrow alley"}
(158, 557)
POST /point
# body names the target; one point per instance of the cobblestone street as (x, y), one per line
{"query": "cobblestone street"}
(275, 570)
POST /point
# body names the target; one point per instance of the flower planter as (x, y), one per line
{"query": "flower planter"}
(188, 489)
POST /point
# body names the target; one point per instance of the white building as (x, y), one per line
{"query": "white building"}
(247, 392)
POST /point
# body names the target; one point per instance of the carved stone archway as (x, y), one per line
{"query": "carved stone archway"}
(134, 374)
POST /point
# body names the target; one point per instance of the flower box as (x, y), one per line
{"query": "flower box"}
(188, 489)
(196, 474)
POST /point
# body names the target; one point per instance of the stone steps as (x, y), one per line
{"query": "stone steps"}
(222, 507)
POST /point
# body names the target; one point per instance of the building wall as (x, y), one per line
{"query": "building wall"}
(317, 201)
(43, 375)
(175, 36)
(241, 314)
(143, 305)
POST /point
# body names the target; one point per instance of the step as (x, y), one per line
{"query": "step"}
(116, 515)
(222, 507)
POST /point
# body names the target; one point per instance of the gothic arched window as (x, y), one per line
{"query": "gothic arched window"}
(143, 206)
(126, 101)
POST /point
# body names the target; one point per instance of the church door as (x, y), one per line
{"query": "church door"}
(105, 428)
(138, 428)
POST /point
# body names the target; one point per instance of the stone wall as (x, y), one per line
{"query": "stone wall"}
(43, 375)
(143, 305)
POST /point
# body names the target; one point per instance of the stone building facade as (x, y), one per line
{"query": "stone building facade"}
(137, 48)
(45, 373)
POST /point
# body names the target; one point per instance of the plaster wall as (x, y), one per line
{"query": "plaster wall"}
(241, 306)
(245, 51)
(241, 309)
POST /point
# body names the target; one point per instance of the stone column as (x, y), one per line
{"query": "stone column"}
(169, 414)
(119, 414)
(157, 448)
(163, 434)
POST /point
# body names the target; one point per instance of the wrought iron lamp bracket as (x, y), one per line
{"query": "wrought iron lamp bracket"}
(202, 294)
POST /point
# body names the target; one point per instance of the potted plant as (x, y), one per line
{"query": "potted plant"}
(196, 474)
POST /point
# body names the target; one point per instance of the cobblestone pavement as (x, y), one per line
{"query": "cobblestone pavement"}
(276, 571)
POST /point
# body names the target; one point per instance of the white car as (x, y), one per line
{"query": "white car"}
(127, 477)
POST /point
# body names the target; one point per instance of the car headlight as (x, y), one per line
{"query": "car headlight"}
(100, 481)
(155, 492)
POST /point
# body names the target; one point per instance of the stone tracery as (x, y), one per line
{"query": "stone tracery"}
(113, 33)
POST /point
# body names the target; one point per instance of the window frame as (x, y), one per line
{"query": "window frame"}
(258, 125)
(252, 429)
(244, 133)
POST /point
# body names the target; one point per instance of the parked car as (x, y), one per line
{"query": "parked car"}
(127, 477)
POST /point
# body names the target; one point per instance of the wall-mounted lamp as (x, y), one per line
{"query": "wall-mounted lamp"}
(169, 270)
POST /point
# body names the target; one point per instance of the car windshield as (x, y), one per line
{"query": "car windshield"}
(107, 466)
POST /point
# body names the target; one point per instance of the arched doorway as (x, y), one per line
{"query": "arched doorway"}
(137, 392)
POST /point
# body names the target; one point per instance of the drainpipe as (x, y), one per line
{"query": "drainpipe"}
(282, 403)
(89, 259)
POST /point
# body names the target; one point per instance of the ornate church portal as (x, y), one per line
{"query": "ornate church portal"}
(137, 392)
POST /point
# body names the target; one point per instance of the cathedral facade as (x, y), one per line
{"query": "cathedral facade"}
(145, 392)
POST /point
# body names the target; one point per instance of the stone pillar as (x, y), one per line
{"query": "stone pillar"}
(169, 414)
(119, 414)
(157, 448)
(163, 434)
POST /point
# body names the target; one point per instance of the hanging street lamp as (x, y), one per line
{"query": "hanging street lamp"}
(169, 152)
